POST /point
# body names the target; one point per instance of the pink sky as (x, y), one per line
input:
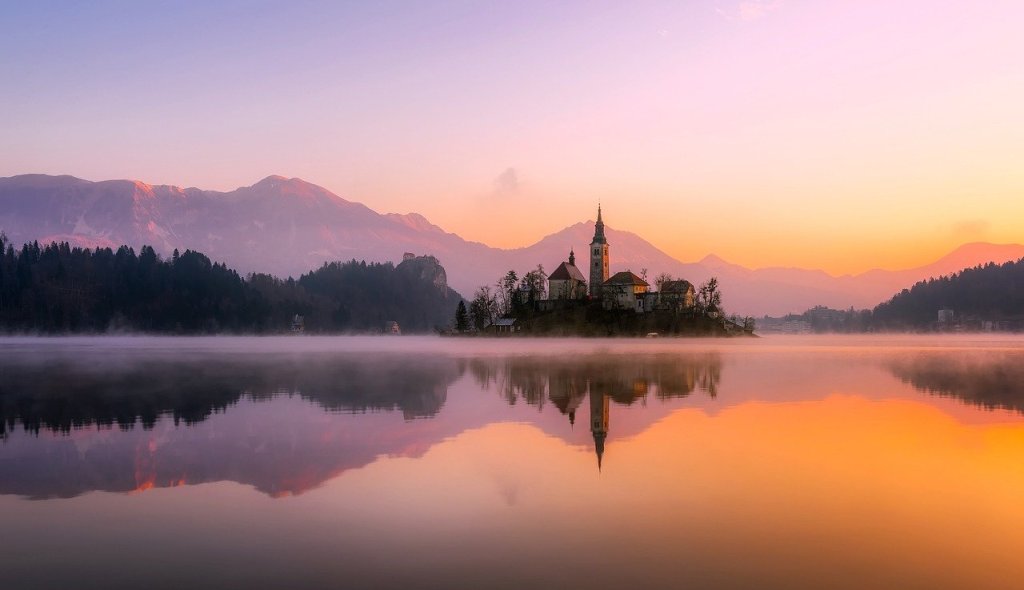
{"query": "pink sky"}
(837, 135)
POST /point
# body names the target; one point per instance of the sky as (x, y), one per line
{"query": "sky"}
(828, 134)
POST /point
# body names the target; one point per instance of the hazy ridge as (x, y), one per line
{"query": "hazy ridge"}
(289, 226)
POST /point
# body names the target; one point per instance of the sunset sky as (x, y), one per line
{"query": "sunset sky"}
(835, 135)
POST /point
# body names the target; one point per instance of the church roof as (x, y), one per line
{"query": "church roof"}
(566, 272)
(626, 278)
(680, 286)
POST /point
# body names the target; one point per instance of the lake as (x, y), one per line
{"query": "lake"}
(419, 462)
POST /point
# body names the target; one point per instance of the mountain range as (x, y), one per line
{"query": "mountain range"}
(286, 226)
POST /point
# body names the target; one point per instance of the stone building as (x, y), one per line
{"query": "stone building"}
(567, 282)
(624, 290)
(676, 295)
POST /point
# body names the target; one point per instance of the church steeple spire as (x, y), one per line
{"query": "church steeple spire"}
(599, 228)
(598, 256)
(572, 256)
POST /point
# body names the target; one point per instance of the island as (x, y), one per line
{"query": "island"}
(565, 303)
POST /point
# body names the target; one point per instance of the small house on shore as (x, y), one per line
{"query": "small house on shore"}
(503, 326)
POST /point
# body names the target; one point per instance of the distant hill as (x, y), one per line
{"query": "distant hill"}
(991, 292)
(286, 226)
(280, 226)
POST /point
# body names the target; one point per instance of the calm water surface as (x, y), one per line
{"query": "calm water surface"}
(429, 463)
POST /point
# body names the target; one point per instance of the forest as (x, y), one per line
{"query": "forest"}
(57, 288)
(985, 297)
(991, 292)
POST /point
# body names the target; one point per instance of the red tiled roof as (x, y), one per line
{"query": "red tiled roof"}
(565, 272)
(626, 278)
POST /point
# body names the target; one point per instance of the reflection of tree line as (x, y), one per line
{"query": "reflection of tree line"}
(135, 395)
(992, 382)
(75, 394)
(626, 380)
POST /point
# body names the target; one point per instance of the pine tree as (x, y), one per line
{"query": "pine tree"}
(461, 318)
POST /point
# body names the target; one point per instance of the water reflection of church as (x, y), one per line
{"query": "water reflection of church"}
(601, 384)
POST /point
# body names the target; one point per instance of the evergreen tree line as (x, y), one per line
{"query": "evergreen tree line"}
(985, 293)
(57, 288)
(993, 292)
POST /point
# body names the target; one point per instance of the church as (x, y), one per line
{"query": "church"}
(567, 282)
(623, 290)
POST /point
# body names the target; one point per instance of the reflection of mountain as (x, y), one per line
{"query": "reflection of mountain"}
(280, 447)
(991, 382)
(184, 419)
(262, 434)
(286, 421)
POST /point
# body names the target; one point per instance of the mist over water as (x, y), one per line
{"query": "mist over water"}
(815, 461)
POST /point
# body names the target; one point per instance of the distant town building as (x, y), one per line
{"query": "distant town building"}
(946, 316)
(392, 328)
(567, 282)
(298, 324)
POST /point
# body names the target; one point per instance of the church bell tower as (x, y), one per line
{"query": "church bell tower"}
(598, 257)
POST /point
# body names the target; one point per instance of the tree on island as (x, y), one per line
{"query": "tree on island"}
(709, 298)
(506, 291)
(461, 318)
(515, 293)
(483, 309)
(535, 282)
